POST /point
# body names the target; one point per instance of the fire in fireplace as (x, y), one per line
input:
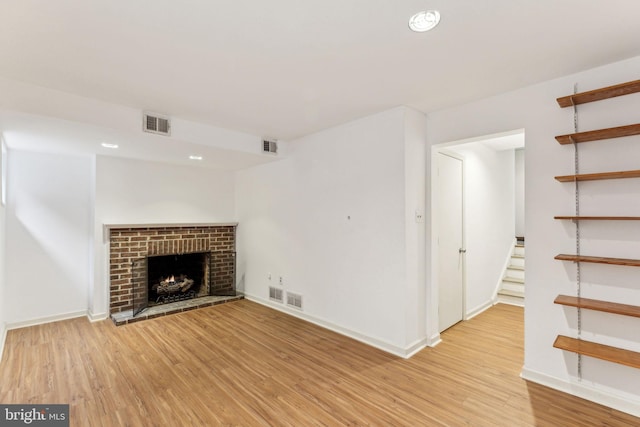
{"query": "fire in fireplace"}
(177, 277)
(172, 285)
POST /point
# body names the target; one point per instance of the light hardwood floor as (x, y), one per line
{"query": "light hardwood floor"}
(244, 364)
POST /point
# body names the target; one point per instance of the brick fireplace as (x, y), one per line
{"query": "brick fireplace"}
(130, 244)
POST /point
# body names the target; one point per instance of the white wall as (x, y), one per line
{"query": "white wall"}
(415, 130)
(519, 187)
(138, 192)
(48, 230)
(331, 219)
(132, 191)
(489, 211)
(534, 109)
(3, 300)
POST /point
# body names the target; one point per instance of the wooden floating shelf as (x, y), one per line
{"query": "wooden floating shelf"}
(599, 176)
(599, 351)
(599, 260)
(598, 305)
(587, 348)
(596, 135)
(599, 218)
(600, 94)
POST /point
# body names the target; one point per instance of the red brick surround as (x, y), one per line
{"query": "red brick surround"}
(132, 243)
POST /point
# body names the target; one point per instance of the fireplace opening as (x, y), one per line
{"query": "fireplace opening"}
(177, 277)
(167, 278)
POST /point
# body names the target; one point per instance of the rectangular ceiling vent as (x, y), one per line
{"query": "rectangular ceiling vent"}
(270, 147)
(275, 294)
(155, 123)
(294, 300)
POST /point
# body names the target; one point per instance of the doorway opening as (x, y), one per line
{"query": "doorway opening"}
(477, 207)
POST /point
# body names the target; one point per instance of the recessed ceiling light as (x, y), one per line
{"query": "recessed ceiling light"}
(424, 21)
(107, 145)
(195, 157)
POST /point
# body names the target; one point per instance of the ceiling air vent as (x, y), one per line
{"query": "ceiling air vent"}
(155, 123)
(270, 147)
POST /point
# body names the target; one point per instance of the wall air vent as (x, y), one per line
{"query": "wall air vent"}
(294, 300)
(270, 147)
(275, 294)
(155, 123)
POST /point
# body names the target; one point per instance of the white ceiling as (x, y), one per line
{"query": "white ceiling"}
(287, 68)
(52, 135)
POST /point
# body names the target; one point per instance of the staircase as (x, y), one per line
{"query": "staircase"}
(512, 287)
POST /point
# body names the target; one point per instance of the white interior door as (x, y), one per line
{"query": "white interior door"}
(450, 241)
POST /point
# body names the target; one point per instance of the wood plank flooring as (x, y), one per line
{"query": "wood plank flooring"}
(245, 364)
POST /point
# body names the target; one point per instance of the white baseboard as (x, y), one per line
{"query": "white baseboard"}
(97, 317)
(479, 309)
(615, 399)
(3, 338)
(48, 319)
(414, 348)
(434, 340)
(405, 353)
